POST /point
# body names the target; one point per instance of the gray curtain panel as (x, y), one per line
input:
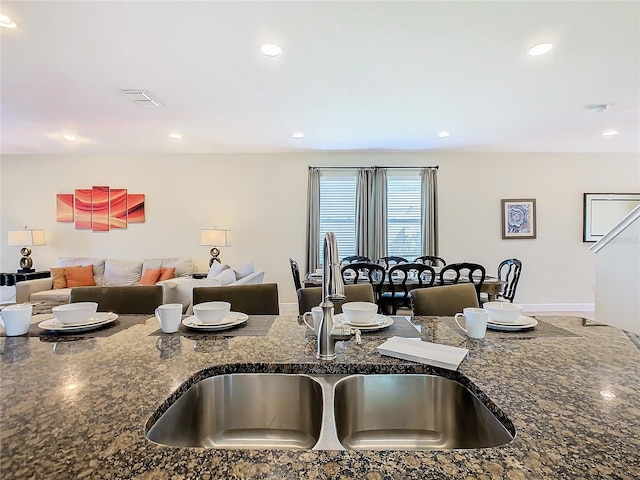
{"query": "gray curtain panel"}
(365, 220)
(379, 233)
(313, 219)
(429, 211)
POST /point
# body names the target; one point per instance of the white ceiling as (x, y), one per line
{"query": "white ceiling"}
(366, 75)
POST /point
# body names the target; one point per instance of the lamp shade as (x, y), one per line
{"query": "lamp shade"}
(26, 237)
(215, 237)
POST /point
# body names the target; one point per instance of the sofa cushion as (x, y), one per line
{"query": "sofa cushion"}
(255, 277)
(79, 276)
(216, 269)
(226, 277)
(58, 296)
(243, 270)
(121, 272)
(98, 265)
(184, 266)
(180, 290)
(150, 276)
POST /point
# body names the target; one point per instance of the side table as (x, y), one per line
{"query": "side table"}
(10, 279)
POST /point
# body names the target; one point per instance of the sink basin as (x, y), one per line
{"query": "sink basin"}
(328, 412)
(244, 410)
(412, 412)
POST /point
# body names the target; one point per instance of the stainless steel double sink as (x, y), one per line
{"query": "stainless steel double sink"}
(329, 412)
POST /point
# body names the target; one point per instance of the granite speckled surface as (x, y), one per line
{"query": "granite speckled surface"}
(77, 409)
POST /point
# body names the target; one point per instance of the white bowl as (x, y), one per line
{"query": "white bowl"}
(75, 313)
(211, 313)
(360, 312)
(503, 312)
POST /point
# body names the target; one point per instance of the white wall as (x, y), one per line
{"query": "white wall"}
(261, 198)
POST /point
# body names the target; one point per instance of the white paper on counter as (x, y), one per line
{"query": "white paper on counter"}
(429, 353)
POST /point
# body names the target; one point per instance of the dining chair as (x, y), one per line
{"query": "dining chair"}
(361, 272)
(509, 271)
(418, 275)
(388, 262)
(255, 299)
(130, 299)
(312, 297)
(470, 272)
(443, 301)
(431, 260)
(295, 271)
(355, 258)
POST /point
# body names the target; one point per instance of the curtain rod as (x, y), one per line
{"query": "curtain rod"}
(374, 167)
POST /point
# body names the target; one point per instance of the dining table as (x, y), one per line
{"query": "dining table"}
(491, 285)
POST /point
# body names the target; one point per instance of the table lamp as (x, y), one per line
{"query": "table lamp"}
(26, 238)
(217, 238)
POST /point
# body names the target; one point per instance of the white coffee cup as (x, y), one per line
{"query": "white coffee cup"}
(16, 319)
(475, 320)
(316, 318)
(169, 316)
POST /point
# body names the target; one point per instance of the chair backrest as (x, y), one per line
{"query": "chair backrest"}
(443, 301)
(388, 262)
(431, 260)
(257, 299)
(355, 258)
(360, 272)
(312, 297)
(295, 271)
(474, 273)
(128, 299)
(509, 271)
(424, 275)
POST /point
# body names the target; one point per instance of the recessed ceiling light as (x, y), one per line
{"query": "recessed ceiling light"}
(443, 134)
(175, 136)
(69, 138)
(540, 49)
(6, 22)
(609, 133)
(298, 134)
(271, 50)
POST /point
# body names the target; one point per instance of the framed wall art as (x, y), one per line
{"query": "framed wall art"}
(518, 218)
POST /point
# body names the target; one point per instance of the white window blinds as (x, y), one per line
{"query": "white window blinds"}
(404, 231)
(338, 212)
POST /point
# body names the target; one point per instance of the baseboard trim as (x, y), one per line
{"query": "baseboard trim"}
(558, 307)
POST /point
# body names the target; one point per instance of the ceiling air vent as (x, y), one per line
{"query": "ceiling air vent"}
(141, 98)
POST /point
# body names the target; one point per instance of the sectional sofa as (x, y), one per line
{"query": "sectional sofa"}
(112, 272)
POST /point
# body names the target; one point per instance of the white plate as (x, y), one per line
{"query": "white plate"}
(522, 320)
(512, 328)
(98, 320)
(381, 322)
(231, 320)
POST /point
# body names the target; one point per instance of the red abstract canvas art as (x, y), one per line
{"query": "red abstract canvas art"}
(118, 208)
(64, 207)
(135, 208)
(83, 208)
(100, 209)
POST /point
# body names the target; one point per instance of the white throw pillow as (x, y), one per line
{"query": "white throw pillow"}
(243, 270)
(180, 290)
(121, 272)
(226, 277)
(216, 269)
(98, 266)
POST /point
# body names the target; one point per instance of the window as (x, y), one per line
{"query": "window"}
(338, 211)
(404, 203)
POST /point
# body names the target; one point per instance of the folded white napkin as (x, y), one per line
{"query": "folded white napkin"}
(424, 352)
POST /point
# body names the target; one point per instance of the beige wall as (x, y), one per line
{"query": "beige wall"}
(261, 198)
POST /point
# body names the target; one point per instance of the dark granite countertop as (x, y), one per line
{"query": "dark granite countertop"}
(77, 409)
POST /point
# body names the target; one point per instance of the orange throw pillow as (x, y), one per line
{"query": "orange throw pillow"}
(57, 275)
(150, 276)
(166, 273)
(79, 276)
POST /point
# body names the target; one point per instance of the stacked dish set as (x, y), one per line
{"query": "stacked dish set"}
(363, 316)
(214, 316)
(507, 317)
(77, 317)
